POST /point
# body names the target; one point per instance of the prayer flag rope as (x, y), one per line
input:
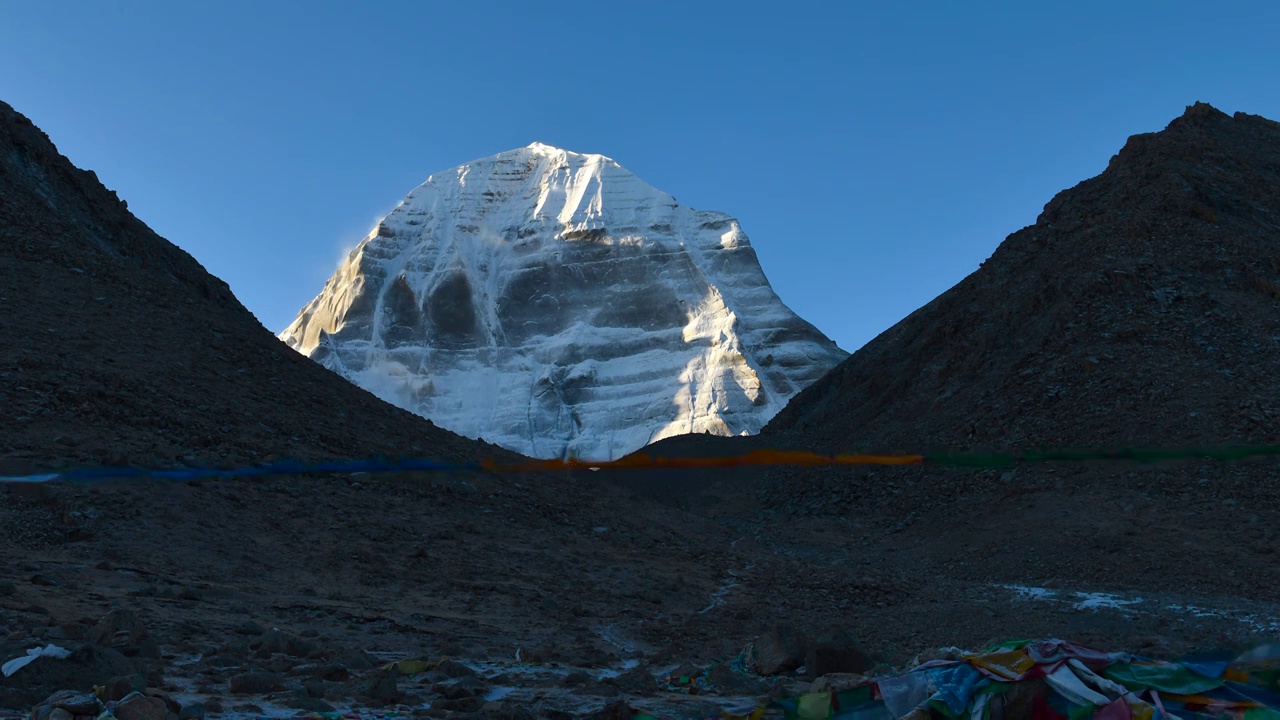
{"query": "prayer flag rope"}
(643, 461)
(808, 459)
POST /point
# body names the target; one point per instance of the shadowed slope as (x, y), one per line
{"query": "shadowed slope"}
(1142, 308)
(117, 347)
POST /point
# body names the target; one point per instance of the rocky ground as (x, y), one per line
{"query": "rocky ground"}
(284, 594)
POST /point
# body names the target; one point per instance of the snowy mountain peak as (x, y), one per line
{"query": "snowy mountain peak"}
(553, 303)
(545, 149)
(539, 148)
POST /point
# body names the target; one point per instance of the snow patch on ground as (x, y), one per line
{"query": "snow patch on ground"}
(718, 597)
(1095, 601)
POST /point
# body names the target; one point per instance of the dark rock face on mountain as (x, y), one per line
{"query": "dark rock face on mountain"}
(117, 347)
(1142, 308)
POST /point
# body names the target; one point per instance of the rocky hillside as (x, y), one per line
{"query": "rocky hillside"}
(1142, 308)
(116, 347)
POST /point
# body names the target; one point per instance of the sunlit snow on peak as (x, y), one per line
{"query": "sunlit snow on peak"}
(553, 303)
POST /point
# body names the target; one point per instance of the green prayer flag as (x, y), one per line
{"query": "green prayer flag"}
(1176, 679)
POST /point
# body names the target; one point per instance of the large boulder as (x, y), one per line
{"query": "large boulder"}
(64, 704)
(834, 651)
(137, 706)
(781, 649)
(119, 629)
(636, 682)
(381, 688)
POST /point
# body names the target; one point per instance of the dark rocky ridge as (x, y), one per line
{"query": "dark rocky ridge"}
(1142, 308)
(118, 347)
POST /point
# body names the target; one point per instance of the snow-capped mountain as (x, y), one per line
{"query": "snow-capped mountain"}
(553, 303)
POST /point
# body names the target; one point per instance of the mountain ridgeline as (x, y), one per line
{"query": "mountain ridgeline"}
(1142, 308)
(121, 349)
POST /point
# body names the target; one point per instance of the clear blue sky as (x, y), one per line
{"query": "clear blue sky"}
(874, 154)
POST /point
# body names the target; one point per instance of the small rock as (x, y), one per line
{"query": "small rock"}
(469, 686)
(313, 687)
(118, 629)
(137, 706)
(194, 711)
(382, 687)
(616, 710)
(254, 683)
(302, 701)
(454, 669)
(250, 628)
(637, 681)
(834, 651)
(576, 678)
(117, 688)
(602, 689)
(461, 705)
(173, 706)
(728, 681)
(835, 682)
(225, 660)
(148, 648)
(73, 701)
(282, 664)
(332, 672)
(274, 641)
(354, 660)
(505, 711)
